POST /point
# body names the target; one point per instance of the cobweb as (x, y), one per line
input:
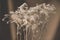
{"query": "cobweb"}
(31, 21)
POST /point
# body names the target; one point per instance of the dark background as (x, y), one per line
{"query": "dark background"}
(5, 28)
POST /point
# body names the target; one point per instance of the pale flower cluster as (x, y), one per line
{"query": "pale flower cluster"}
(31, 16)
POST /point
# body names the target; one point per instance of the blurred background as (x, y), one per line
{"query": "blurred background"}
(9, 5)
